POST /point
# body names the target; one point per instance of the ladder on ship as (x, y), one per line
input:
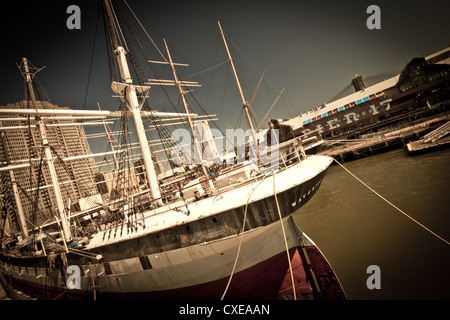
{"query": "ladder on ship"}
(437, 133)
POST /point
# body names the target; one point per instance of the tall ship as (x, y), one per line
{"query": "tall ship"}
(420, 91)
(200, 230)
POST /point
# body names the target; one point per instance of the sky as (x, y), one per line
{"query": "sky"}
(312, 49)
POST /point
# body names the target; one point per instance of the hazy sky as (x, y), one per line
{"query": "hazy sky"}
(310, 48)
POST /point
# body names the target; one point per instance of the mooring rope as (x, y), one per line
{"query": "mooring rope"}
(285, 241)
(240, 241)
(394, 206)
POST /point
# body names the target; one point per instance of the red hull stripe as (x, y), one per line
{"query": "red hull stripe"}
(261, 281)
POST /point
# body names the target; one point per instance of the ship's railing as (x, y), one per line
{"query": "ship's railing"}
(289, 153)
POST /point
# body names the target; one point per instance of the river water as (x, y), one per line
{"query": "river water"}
(355, 229)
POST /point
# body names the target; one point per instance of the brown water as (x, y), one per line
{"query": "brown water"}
(354, 228)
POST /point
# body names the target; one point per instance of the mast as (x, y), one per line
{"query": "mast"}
(133, 105)
(186, 107)
(245, 104)
(48, 156)
(55, 182)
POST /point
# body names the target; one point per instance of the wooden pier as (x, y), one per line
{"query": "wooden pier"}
(436, 139)
(352, 149)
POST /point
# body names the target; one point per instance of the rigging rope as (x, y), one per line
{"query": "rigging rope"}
(240, 241)
(92, 56)
(161, 131)
(251, 63)
(390, 203)
(145, 31)
(207, 69)
(118, 29)
(284, 236)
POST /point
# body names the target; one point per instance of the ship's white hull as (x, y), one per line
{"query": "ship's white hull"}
(191, 256)
(198, 272)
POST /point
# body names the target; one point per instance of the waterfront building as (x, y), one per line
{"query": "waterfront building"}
(22, 141)
(420, 90)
